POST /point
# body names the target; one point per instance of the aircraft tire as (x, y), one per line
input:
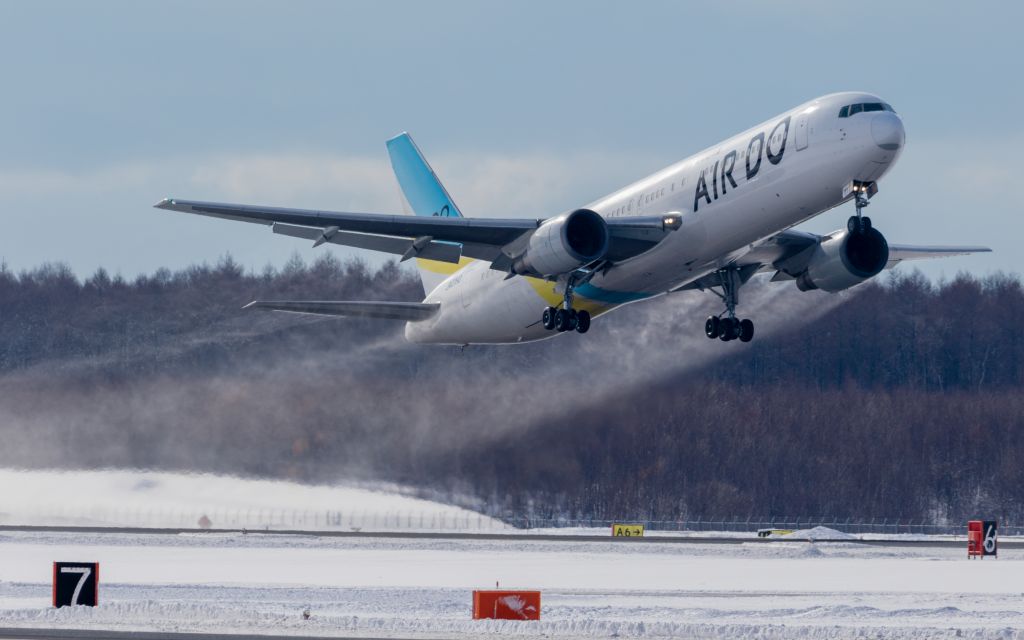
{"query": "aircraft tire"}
(863, 225)
(711, 327)
(548, 318)
(562, 320)
(583, 322)
(746, 330)
(729, 329)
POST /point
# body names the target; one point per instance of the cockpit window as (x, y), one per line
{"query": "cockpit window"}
(854, 109)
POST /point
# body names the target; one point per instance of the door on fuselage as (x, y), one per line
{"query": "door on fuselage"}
(801, 131)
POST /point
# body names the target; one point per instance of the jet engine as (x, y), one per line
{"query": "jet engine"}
(844, 260)
(564, 244)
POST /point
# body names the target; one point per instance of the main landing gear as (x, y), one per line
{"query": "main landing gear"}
(566, 318)
(729, 327)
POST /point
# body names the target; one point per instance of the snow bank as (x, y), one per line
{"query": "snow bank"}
(821, 533)
(160, 499)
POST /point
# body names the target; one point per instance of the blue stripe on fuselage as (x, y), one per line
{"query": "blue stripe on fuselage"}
(609, 297)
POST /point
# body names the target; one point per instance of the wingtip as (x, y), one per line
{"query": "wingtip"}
(252, 305)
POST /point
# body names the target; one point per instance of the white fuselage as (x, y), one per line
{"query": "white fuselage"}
(799, 163)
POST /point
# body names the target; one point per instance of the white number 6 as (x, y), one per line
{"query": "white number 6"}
(990, 540)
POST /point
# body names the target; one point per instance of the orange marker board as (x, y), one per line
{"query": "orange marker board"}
(506, 605)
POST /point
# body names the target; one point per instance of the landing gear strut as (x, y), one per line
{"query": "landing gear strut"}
(859, 223)
(729, 327)
(566, 318)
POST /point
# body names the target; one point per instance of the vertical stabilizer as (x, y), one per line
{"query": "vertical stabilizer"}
(427, 197)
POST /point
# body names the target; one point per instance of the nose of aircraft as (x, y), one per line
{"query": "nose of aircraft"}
(887, 131)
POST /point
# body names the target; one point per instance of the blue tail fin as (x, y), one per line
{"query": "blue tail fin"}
(427, 197)
(419, 183)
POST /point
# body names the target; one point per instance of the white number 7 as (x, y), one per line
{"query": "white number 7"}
(86, 572)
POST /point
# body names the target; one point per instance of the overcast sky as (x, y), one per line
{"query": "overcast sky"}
(524, 109)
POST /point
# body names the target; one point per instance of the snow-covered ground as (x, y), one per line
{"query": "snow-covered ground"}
(422, 588)
(159, 499)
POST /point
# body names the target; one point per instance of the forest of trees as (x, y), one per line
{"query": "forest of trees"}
(900, 398)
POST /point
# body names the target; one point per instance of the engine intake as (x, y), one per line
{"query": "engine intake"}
(844, 260)
(564, 244)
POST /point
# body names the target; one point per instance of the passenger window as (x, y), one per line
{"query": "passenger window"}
(844, 112)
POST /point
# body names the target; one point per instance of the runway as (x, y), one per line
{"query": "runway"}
(947, 542)
(200, 585)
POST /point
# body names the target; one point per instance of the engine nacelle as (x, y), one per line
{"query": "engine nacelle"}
(564, 244)
(844, 260)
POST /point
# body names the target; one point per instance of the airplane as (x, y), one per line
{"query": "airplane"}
(709, 222)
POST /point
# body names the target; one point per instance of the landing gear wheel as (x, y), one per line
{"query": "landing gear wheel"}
(729, 329)
(711, 327)
(562, 320)
(858, 224)
(548, 318)
(746, 330)
(583, 321)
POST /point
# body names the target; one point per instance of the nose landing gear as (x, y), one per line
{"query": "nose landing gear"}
(729, 327)
(859, 223)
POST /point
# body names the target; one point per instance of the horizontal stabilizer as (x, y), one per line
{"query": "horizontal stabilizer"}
(900, 252)
(411, 311)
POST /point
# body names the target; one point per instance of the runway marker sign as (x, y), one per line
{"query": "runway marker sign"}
(627, 530)
(76, 583)
(982, 538)
(506, 605)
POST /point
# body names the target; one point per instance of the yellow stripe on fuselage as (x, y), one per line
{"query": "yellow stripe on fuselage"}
(444, 268)
(545, 289)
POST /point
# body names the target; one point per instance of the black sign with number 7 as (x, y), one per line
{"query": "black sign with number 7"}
(76, 583)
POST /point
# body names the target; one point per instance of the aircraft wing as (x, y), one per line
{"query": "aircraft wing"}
(411, 311)
(787, 254)
(423, 236)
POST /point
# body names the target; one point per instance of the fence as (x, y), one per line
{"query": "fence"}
(915, 526)
(454, 519)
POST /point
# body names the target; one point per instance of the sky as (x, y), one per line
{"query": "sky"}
(524, 109)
